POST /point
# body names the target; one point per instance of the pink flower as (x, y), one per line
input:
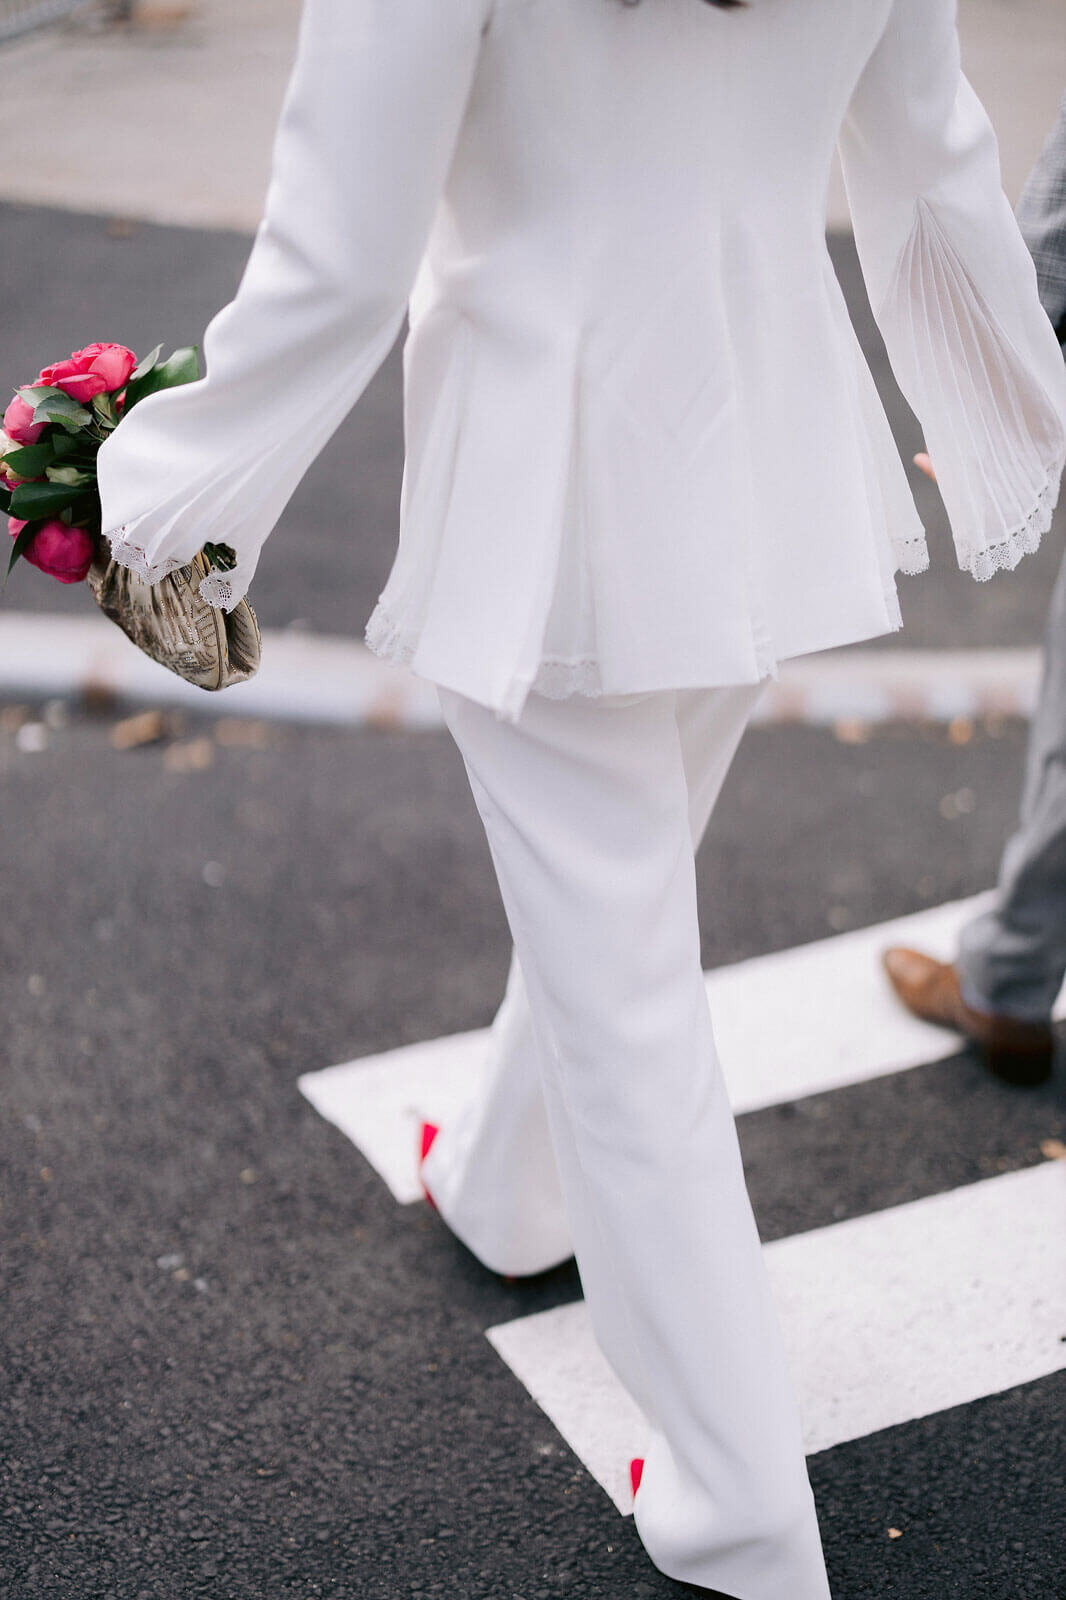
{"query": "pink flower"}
(98, 369)
(61, 551)
(19, 424)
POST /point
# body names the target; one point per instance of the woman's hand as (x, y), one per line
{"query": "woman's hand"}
(923, 461)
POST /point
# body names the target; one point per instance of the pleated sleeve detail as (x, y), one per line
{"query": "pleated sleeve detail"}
(953, 287)
(994, 434)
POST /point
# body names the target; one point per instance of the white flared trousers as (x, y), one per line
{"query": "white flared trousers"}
(603, 1129)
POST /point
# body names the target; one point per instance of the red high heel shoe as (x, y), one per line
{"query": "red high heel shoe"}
(636, 1472)
(430, 1131)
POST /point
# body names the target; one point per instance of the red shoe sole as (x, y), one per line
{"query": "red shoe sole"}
(636, 1472)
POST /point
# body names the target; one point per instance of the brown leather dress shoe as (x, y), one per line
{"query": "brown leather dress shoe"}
(1020, 1052)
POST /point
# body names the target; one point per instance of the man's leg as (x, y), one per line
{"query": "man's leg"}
(1012, 959)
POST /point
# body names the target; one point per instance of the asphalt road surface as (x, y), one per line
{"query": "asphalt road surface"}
(232, 1366)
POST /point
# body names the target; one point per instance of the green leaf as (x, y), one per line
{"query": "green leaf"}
(31, 460)
(145, 366)
(42, 500)
(63, 445)
(5, 498)
(35, 393)
(221, 556)
(21, 544)
(181, 367)
(53, 405)
(60, 408)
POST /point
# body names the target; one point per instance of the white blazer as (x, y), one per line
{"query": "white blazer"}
(644, 449)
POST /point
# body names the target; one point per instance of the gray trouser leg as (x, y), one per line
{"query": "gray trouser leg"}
(1013, 958)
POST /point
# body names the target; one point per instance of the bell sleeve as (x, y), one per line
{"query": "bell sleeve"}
(367, 131)
(954, 289)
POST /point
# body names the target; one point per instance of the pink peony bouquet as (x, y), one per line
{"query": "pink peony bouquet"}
(52, 431)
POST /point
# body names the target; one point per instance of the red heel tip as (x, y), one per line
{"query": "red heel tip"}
(429, 1132)
(636, 1472)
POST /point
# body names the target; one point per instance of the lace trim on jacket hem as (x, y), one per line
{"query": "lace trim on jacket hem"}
(560, 677)
(911, 554)
(556, 679)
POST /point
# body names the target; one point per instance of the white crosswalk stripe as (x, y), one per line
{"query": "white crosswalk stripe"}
(888, 1317)
(791, 1024)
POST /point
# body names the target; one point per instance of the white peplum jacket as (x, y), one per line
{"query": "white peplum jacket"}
(643, 447)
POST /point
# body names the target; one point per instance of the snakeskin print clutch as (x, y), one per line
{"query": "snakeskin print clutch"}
(175, 626)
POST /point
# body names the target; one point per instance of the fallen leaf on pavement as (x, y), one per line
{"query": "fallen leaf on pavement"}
(147, 727)
(851, 730)
(192, 755)
(243, 733)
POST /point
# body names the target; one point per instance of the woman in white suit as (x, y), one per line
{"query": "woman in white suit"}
(645, 463)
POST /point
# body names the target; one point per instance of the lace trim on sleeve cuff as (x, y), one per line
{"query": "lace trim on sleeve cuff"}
(133, 556)
(1022, 541)
(387, 639)
(220, 589)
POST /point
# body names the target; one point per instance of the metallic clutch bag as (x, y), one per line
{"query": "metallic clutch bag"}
(174, 625)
